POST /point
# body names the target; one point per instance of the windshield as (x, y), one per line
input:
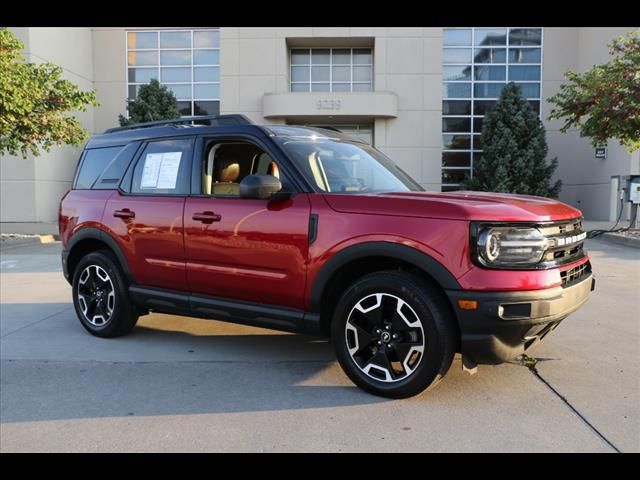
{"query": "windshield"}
(341, 166)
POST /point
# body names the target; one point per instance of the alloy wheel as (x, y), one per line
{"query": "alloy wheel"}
(96, 295)
(384, 337)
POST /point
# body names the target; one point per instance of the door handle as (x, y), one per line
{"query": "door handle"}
(207, 217)
(124, 213)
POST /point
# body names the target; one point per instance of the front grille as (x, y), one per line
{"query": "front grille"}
(566, 243)
(575, 274)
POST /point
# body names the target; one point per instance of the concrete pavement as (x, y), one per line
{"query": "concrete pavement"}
(179, 384)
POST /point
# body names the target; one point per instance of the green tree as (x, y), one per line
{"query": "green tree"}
(35, 102)
(514, 150)
(604, 102)
(154, 102)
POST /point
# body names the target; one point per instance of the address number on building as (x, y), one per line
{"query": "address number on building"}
(328, 105)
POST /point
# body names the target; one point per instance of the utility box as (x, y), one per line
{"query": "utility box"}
(633, 189)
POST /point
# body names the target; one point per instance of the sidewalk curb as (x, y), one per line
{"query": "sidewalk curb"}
(621, 240)
(21, 242)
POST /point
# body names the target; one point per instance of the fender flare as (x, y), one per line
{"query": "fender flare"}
(397, 251)
(93, 233)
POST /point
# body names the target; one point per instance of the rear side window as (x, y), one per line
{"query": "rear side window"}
(114, 171)
(164, 168)
(93, 164)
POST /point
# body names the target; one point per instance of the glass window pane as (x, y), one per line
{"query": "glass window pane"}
(299, 87)
(175, 57)
(319, 87)
(456, 142)
(175, 74)
(320, 56)
(341, 87)
(142, 75)
(456, 73)
(481, 107)
(341, 56)
(456, 55)
(206, 90)
(206, 107)
(133, 91)
(490, 73)
(524, 55)
(487, 90)
(206, 57)
(456, 37)
(94, 163)
(342, 74)
(142, 40)
(320, 74)
(361, 74)
(143, 58)
(456, 90)
(206, 74)
(455, 124)
(300, 74)
(184, 107)
(524, 73)
(477, 124)
(362, 56)
(456, 159)
(490, 36)
(450, 188)
(456, 107)
(490, 55)
(300, 56)
(206, 39)
(175, 39)
(530, 90)
(362, 87)
(525, 36)
(180, 91)
(454, 176)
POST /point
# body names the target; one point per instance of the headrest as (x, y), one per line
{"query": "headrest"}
(229, 171)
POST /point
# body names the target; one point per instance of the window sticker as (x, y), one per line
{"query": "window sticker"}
(161, 170)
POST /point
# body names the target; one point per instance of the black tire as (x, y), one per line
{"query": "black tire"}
(123, 315)
(428, 306)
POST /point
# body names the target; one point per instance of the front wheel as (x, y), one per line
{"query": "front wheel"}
(394, 334)
(100, 296)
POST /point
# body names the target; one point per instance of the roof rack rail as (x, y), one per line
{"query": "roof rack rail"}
(230, 119)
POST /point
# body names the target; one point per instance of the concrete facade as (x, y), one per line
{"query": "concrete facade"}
(404, 108)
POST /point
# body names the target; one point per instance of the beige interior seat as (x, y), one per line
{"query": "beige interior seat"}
(227, 171)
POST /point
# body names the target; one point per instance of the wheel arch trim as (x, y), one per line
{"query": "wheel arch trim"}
(92, 233)
(405, 253)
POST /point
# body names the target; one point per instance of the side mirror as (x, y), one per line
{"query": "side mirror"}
(259, 186)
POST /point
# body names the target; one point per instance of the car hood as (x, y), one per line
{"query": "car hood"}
(455, 205)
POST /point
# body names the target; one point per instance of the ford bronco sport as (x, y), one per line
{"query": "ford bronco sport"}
(305, 230)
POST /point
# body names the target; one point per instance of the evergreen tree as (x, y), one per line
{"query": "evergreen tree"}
(514, 150)
(154, 102)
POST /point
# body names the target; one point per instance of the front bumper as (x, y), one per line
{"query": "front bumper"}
(505, 324)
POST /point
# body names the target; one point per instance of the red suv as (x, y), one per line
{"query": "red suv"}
(306, 230)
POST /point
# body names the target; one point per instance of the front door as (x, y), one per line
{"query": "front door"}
(245, 249)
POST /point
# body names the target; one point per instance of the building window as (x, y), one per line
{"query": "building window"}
(186, 61)
(477, 64)
(331, 70)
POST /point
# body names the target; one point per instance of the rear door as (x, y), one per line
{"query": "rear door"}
(146, 215)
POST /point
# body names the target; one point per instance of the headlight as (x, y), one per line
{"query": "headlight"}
(506, 246)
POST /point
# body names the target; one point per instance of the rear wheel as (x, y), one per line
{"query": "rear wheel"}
(100, 296)
(394, 334)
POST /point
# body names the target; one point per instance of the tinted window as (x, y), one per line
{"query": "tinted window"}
(163, 168)
(114, 171)
(93, 164)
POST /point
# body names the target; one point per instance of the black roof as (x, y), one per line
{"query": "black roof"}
(231, 124)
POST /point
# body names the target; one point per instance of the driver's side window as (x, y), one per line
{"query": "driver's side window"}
(225, 164)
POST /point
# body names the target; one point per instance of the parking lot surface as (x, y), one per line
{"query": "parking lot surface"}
(180, 384)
